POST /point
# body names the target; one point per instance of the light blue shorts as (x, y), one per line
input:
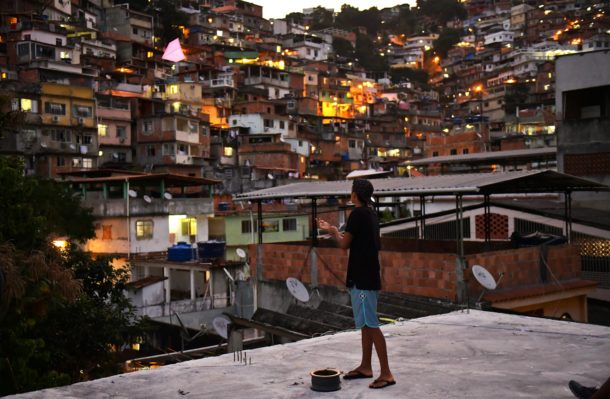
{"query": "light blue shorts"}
(364, 305)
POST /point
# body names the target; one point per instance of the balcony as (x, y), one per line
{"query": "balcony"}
(139, 207)
(219, 83)
(258, 80)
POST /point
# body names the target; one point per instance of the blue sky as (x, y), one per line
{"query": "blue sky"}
(278, 9)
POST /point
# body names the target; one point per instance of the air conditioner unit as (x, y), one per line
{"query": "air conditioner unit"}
(80, 120)
(55, 119)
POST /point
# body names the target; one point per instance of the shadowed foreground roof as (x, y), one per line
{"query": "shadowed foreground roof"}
(537, 181)
(455, 355)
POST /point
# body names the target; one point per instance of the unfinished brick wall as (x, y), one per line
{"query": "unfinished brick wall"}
(422, 273)
(498, 225)
(415, 273)
(522, 267)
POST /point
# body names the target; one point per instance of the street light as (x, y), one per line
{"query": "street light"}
(479, 89)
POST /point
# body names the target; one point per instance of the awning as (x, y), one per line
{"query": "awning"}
(539, 181)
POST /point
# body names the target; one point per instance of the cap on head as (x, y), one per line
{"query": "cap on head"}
(363, 190)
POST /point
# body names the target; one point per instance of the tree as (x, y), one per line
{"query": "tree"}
(321, 18)
(442, 11)
(35, 208)
(10, 119)
(368, 56)
(296, 18)
(45, 292)
(343, 48)
(350, 18)
(447, 38)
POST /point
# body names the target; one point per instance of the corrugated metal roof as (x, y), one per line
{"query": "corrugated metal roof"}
(538, 181)
(486, 156)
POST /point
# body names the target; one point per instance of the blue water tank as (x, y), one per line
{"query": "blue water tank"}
(181, 252)
(211, 249)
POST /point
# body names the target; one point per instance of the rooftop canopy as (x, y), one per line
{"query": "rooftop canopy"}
(481, 157)
(170, 179)
(539, 181)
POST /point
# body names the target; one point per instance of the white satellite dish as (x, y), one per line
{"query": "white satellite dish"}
(220, 325)
(240, 252)
(167, 196)
(484, 277)
(297, 289)
(270, 176)
(132, 193)
(43, 145)
(147, 199)
(72, 147)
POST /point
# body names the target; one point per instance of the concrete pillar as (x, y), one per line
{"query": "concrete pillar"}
(167, 284)
(235, 340)
(192, 276)
(313, 263)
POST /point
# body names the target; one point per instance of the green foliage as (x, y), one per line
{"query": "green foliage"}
(343, 48)
(35, 208)
(296, 18)
(368, 56)
(321, 18)
(446, 39)
(442, 11)
(406, 22)
(60, 312)
(350, 18)
(403, 75)
(10, 120)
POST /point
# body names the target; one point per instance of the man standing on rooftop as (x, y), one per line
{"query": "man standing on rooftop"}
(364, 280)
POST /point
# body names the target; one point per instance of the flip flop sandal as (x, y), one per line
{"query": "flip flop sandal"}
(355, 375)
(383, 385)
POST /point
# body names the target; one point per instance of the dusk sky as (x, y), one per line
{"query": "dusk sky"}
(278, 9)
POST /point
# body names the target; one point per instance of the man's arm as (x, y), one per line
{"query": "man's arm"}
(343, 239)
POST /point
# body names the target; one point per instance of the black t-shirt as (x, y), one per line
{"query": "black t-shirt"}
(363, 270)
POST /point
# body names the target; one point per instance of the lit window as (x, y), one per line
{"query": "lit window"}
(228, 151)
(102, 130)
(172, 89)
(26, 104)
(87, 163)
(144, 229)
(149, 54)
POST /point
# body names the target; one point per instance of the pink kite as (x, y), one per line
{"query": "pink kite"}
(173, 51)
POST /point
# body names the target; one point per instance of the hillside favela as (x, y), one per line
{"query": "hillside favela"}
(200, 200)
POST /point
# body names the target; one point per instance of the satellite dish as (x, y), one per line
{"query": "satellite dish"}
(72, 147)
(484, 277)
(240, 252)
(132, 193)
(147, 199)
(108, 76)
(167, 196)
(297, 289)
(220, 325)
(43, 145)
(115, 155)
(270, 176)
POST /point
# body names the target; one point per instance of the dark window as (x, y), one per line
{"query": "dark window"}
(61, 161)
(55, 108)
(435, 154)
(465, 151)
(453, 151)
(58, 42)
(289, 224)
(246, 226)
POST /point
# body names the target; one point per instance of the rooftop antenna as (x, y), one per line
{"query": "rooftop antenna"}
(220, 325)
(486, 279)
(184, 333)
(297, 289)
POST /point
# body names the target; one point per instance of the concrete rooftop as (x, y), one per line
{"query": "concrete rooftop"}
(455, 355)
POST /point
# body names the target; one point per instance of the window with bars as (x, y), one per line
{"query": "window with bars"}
(144, 229)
